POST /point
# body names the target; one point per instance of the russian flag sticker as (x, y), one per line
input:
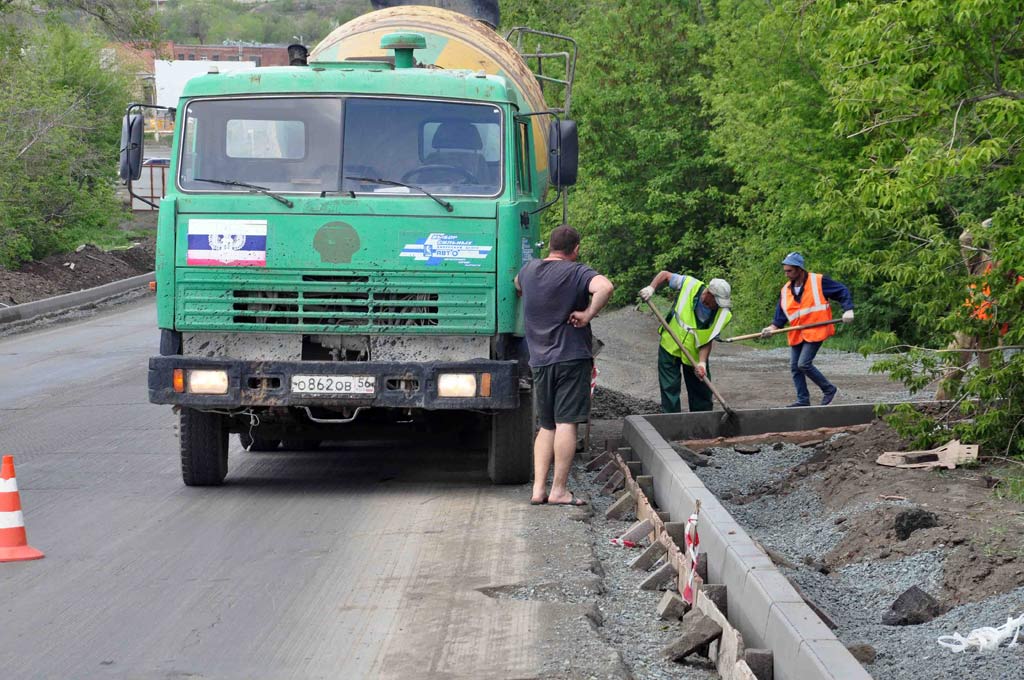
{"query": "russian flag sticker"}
(227, 243)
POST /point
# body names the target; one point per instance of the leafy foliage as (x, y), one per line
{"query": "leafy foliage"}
(717, 136)
(280, 21)
(650, 194)
(124, 20)
(60, 112)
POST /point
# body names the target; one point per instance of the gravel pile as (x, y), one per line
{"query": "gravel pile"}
(609, 404)
(857, 595)
(804, 531)
(630, 619)
(741, 474)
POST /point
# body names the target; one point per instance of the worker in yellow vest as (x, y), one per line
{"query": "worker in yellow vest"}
(805, 299)
(700, 314)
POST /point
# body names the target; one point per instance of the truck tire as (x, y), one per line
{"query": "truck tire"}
(204, 448)
(256, 443)
(510, 448)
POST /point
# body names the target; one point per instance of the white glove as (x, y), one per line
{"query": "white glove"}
(767, 331)
(646, 292)
(848, 316)
(702, 370)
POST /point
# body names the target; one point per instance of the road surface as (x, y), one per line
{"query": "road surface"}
(360, 561)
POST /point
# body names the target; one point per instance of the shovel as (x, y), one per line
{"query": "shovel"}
(750, 336)
(729, 413)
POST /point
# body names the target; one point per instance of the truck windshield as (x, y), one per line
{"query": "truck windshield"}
(283, 144)
(446, 148)
(307, 145)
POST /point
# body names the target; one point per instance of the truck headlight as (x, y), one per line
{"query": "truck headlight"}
(208, 382)
(456, 385)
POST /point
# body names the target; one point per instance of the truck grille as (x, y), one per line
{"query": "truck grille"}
(356, 303)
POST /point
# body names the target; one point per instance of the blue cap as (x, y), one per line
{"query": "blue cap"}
(794, 259)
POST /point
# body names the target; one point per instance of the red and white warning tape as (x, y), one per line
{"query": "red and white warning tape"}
(692, 550)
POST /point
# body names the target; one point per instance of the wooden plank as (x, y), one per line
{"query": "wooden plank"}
(794, 437)
(948, 456)
(741, 671)
(599, 462)
(648, 557)
(661, 575)
(607, 471)
(727, 653)
(616, 482)
(638, 532)
(621, 507)
(644, 510)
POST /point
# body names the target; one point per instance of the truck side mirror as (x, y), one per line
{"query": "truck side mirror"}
(564, 153)
(130, 166)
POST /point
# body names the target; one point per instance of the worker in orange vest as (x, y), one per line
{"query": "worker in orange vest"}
(977, 258)
(805, 299)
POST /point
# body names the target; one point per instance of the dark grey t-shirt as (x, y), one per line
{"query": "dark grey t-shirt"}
(552, 290)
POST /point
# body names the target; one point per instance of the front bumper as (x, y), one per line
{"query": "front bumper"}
(398, 385)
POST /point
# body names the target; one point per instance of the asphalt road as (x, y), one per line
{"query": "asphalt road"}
(359, 561)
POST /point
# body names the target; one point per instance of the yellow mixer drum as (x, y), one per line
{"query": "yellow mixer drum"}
(454, 41)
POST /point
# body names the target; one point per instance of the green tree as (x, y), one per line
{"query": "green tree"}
(60, 112)
(936, 89)
(772, 123)
(651, 195)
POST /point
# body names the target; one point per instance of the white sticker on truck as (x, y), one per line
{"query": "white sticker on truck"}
(437, 248)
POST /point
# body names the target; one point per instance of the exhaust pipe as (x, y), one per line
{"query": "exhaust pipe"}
(486, 11)
(297, 55)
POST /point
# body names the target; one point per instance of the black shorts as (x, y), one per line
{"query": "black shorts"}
(561, 392)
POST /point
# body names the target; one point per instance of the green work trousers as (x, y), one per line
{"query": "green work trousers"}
(698, 394)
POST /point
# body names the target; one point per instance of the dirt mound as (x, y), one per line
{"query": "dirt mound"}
(610, 403)
(85, 267)
(978, 535)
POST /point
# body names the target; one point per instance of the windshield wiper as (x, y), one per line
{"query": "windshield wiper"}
(254, 187)
(376, 180)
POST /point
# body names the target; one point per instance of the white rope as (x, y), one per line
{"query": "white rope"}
(986, 638)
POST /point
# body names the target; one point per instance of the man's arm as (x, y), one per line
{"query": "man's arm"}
(600, 289)
(701, 369)
(659, 280)
(778, 322)
(837, 291)
(834, 290)
(519, 289)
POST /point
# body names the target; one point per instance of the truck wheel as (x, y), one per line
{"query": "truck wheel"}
(204, 448)
(256, 443)
(300, 444)
(510, 449)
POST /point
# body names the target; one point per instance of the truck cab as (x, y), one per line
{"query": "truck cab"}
(337, 247)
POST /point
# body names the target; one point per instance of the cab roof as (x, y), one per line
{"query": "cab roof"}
(354, 78)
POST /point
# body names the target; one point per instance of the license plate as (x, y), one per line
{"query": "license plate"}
(333, 384)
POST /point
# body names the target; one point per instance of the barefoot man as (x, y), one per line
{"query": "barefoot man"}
(560, 297)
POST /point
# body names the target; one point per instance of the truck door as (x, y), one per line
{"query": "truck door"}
(526, 199)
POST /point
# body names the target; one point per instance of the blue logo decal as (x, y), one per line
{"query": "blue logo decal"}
(438, 248)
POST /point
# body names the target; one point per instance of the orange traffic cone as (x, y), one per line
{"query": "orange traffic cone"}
(14, 545)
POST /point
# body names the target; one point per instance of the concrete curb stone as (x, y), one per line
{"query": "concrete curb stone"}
(763, 605)
(61, 303)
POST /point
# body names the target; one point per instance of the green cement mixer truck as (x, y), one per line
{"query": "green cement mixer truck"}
(338, 244)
